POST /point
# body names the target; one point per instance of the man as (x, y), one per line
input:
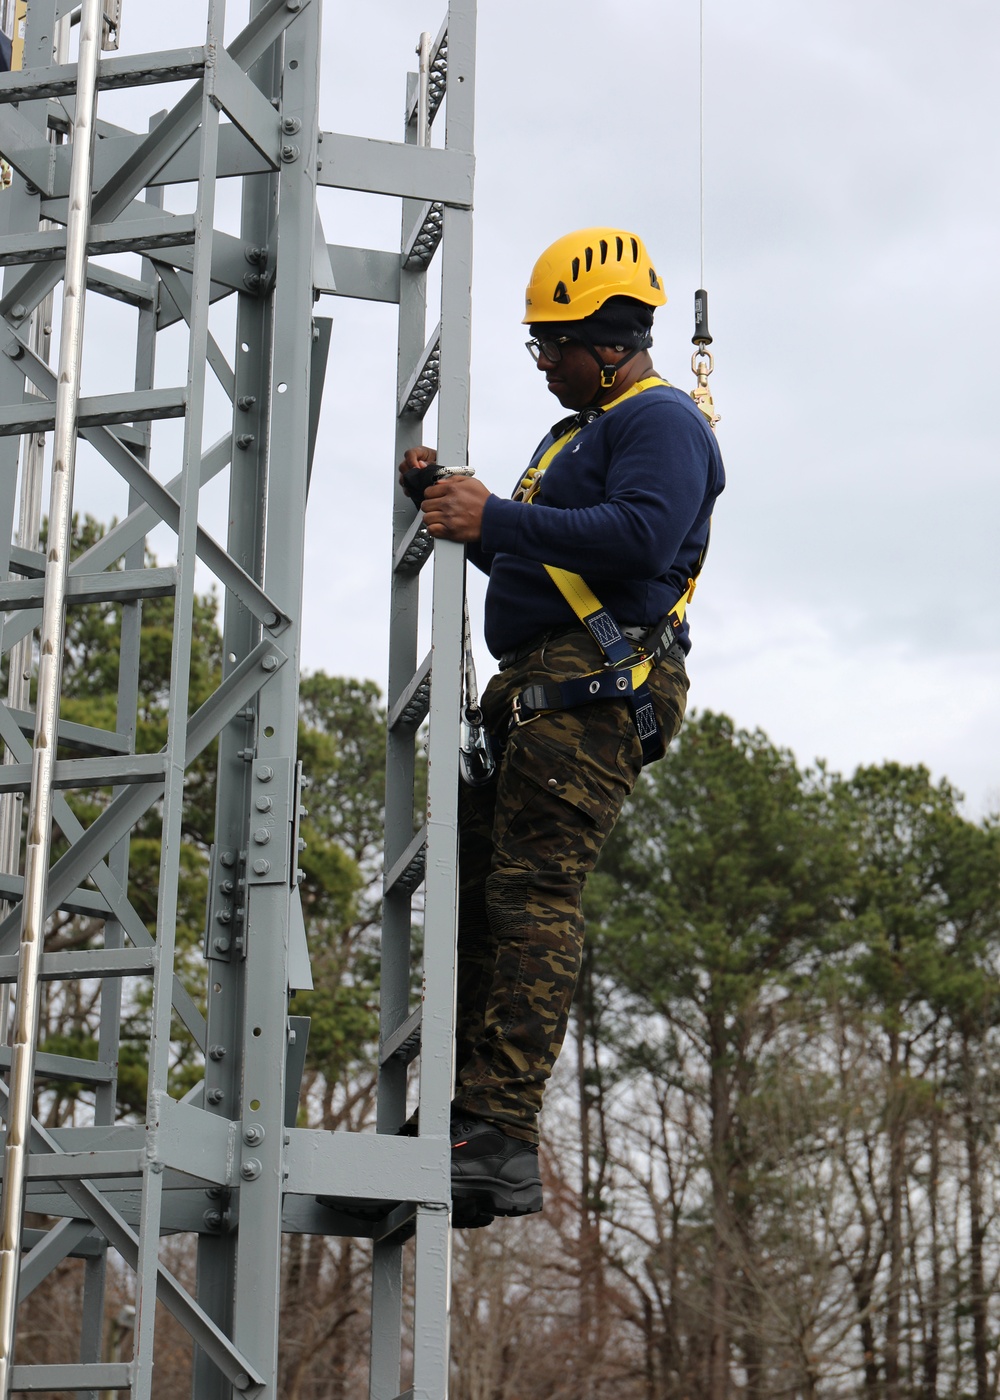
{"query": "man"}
(620, 494)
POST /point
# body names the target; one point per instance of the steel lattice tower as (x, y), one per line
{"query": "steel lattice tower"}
(225, 1162)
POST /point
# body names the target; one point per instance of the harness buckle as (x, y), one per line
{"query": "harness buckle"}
(516, 718)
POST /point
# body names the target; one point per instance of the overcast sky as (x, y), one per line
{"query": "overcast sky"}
(849, 603)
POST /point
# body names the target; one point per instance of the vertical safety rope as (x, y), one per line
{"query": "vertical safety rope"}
(701, 137)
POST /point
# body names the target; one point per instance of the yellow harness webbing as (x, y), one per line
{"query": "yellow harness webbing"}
(572, 587)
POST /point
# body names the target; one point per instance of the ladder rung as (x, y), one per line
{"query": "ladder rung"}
(419, 393)
(426, 236)
(408, 871)
(417, 547)
(404, 1042)
(103, 1375)
(411, 708)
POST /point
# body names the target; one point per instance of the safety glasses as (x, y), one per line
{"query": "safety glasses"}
(550, 350)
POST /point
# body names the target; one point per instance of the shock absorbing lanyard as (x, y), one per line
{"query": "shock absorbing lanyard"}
(627, 671)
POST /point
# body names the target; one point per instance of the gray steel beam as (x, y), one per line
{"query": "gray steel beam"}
(386, 167)
(122, 587)
(48, 244)
(39, 416)
(123, 71)
(233, 1135)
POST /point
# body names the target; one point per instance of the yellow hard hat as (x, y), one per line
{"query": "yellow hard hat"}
(581, 270)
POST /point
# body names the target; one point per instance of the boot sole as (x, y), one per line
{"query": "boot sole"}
(500, 1197)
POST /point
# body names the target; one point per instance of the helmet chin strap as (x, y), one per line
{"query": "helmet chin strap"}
(609, 373)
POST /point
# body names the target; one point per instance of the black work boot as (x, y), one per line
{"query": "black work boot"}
(465, 1215)
(492, 1171)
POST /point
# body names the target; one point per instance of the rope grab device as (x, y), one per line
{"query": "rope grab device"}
(702, 361)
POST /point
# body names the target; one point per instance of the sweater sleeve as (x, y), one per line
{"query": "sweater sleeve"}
(657, 480)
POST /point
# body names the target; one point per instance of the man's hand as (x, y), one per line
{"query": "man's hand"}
(453, 509)
(414, 458)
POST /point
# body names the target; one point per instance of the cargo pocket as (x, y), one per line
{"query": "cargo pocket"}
(566, 777)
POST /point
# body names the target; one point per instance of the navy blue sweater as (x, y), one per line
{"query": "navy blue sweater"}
(626, 505)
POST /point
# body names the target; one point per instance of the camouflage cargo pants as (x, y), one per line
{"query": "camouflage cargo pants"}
(528, 840)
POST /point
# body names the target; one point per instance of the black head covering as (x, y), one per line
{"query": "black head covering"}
(620, 321)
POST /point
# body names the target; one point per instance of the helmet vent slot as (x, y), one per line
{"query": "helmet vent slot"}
(588, 258)
(620, 246)
(635, 250)
(604, 250)
(576, 269)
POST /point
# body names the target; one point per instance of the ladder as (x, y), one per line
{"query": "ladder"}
(224, 1162)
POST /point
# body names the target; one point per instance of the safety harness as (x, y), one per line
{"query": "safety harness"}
(625, 673)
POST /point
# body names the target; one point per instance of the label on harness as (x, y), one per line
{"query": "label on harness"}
(645, 721)
(603, 627)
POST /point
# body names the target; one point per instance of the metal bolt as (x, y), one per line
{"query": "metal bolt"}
(245, 440)
(18, 311)
(241, 1381)
(290, 125)
(246, 402)
(300, 876)
(30, 188)
(263, 804)
(289, 153)
(253, 1134)
(270, 662)
(261, 836)
(227, 886)
(14, 351)
(245, 754)
(271, 619)
(215, 1096)
(227, 859)
(214, 1193)
(264, 772)
(255, 256)
(302, 843)
(224, 916)
(220, 945)
(253, 281)
(250, 1169)
(216, 1052)
(553, 783)
(212, 1219)
(261, 867)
